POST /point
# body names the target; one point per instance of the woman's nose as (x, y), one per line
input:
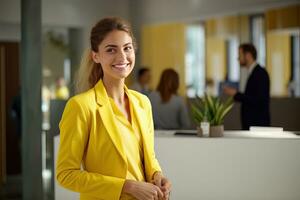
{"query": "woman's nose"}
(121, 56)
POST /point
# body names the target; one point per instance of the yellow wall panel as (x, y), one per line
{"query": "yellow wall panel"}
(210, 27)
(163, 46)
(229, 26)
(244, 28)
(271, 17)
(288, 17)
(279, 62)
(215, 59)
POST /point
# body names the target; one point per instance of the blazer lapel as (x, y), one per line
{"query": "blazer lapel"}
(106, 114)
(142, 119)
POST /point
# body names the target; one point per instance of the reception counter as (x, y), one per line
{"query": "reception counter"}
(242, 165)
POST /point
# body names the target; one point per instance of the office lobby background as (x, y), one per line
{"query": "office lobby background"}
(197, 38)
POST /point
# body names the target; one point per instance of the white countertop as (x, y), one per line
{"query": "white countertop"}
(247, 165)
(232, 134)
(242, 165)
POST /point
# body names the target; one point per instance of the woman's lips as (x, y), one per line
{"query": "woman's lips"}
(120, 66)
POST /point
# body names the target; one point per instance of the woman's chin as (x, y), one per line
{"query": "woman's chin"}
(121, 75)
(122, 72)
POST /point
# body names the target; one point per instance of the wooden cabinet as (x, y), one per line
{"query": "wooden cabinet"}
(10, 157)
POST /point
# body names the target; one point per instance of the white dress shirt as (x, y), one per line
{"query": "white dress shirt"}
(245, 74)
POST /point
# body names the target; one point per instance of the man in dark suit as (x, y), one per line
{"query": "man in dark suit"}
(256, 96)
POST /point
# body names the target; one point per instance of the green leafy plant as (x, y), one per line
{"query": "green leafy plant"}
(211, 109)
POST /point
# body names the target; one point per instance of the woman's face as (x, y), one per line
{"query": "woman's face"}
(116, 55)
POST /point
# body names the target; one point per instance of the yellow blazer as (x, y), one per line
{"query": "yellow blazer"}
(89, 136)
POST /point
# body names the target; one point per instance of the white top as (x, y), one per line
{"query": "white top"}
(251, 68)
(245, 74)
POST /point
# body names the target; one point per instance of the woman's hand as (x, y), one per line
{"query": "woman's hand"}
(142, 190)
(163, 183)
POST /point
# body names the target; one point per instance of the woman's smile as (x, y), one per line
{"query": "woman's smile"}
(121, 66)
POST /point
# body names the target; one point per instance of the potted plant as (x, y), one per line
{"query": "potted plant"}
(212, 110)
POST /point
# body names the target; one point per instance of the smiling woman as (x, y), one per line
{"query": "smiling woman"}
(107, 128)
(116, 55)
(102, 45)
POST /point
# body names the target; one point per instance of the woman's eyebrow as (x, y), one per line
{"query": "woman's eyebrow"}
(113, 45)
(127, 44)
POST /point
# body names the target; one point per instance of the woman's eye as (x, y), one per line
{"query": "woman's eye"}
(111, 50)
(128, 48)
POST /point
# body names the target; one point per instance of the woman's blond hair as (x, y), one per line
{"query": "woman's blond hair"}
(89, 72)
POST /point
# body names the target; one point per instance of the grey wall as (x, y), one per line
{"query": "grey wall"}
(83, 14)
(157, 11)
(10, 32)
(72, 13)
(66, 13)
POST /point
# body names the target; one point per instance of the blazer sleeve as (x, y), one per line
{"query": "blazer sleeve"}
(151, 165)
(74, 135)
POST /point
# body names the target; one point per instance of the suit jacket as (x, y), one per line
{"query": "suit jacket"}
(255, 100)
(89, 136)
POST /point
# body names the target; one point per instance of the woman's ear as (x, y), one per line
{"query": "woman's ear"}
(95, 57)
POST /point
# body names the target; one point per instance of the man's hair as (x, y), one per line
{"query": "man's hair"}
(142, 71)
(249, 48)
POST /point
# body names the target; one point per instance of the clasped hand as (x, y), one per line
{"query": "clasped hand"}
(163, 184)
(158, 189)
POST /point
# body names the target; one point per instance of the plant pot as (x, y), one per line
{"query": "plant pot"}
(216, 131)
(199, 131)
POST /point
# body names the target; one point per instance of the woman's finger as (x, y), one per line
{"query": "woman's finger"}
(155, 195)
(157, 181)
(160, 194)
(167, 196)
(166, 183)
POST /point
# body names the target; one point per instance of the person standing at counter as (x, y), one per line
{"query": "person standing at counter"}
(143, 80)
(255, 98)
(169, 109)
(107, 129)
